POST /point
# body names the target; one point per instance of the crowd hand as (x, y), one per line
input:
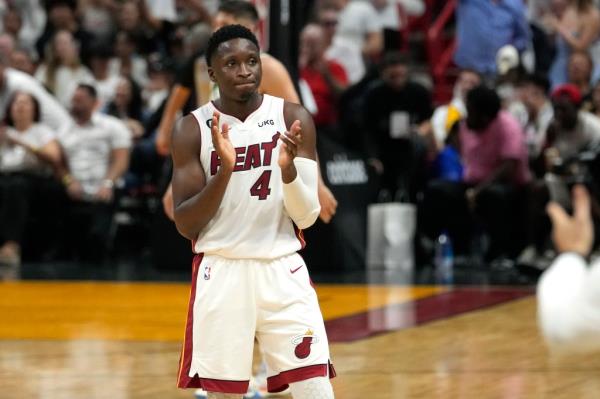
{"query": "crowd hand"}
(136, 128)
(222, 143)
(550, 22)
(74, 190)
(328, 203)
(104, 194)
(291, 140)
(471, 195)
(167, 201)
(573, 233)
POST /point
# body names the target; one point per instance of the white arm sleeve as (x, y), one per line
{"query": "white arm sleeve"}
(569, 303)
(300, 197)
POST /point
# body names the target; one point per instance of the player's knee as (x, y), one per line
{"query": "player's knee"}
(221, 395)
(313, 388)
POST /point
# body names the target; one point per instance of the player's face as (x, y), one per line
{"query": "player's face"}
(236, 69)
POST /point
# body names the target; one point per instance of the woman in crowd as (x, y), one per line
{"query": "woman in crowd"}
(62, 70)
(28, 152)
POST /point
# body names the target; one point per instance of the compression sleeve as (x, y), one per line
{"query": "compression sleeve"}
(300, 197)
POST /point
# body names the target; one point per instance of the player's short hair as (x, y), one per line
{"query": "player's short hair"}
(225, 34)
(239, 9)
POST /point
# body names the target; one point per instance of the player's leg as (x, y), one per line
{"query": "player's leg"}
(290, 326)
(313, 388)
(217, 354)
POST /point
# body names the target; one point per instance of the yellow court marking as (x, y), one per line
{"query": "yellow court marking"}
(146, 311)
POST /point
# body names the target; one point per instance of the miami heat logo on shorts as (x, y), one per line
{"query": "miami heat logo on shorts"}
(303, 344)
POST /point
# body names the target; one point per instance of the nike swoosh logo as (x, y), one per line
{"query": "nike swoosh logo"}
(296, 269)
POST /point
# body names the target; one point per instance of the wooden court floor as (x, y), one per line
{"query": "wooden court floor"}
(122, 341)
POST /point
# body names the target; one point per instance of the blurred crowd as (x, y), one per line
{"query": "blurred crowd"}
(90, 90)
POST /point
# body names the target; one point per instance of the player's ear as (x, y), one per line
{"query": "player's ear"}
(211, 74)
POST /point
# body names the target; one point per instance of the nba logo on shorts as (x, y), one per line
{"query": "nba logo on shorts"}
(207, 272)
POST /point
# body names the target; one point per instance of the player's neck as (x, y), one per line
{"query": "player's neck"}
(237, 108)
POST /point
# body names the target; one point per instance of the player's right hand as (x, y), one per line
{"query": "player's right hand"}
(222, 144)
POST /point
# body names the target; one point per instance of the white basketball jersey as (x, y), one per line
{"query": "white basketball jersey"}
(251, 222)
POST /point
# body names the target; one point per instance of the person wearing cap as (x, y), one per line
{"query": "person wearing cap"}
(572, 129)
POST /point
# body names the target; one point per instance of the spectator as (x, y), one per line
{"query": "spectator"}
(538, 113)
(62, 70)
(358, 37)
(20, 60)
(393, 17)
(396, 108)
(579, 72)
(97, 18)
(140, 33)
(576, 28)
(28, 153)
(106, 80)
(328, 17)
(96, 149)
(7, 44)
(61, 16)
(127, 62)
(445, 116)
(569, 291)
(127, 106)
(483, 27)
(52, 113)
(326, 79)
(24, 20)
(572, 129)
(495, 173)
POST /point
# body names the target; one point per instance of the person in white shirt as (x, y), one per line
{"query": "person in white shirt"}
(568, 292)
(28, 154)
(96, 151)
(52, 113)
(358, 37)
(62, 70)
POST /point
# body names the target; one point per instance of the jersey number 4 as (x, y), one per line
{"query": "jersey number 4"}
(261, 188)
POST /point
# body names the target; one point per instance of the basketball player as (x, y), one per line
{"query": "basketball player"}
(277, 82)
(244, 173)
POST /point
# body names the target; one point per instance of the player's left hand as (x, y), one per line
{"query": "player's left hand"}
(328, 203)
(573, 233)
(291, 140)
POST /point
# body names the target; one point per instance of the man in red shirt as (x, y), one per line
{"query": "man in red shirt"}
(327, 79)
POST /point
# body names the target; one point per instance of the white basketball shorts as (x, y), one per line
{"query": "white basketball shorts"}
(234, 301)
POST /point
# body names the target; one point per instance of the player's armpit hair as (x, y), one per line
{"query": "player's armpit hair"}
(220, 395)
(300, 197)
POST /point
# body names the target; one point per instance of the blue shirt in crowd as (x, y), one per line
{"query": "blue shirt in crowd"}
(483, 27)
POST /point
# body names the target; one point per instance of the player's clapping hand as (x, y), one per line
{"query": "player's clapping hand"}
(573, 233)
(291, 140)
(222, 144)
